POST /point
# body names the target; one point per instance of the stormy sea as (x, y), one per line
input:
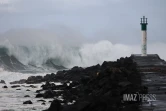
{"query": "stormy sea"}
(21, 62)
(18, 61)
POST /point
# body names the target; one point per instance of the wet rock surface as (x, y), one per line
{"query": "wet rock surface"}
(41, 100)
(95, 88)
(153, 74)
(55, 106)
(26, 96)
(5, 87)
(2, 82)
(22, 81)
(27, 102)
(100, 88)
(15, 86)
(39, 95)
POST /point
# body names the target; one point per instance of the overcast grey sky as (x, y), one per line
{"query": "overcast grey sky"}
(115, 20)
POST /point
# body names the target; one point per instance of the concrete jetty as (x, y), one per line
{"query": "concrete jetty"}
(153, 74)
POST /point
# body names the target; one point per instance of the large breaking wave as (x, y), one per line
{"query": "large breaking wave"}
(51, 55)
(56, 56)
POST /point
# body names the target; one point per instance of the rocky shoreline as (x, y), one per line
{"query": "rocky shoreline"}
(95, 88)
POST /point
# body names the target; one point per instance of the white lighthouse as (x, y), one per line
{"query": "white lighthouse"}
(144, 35)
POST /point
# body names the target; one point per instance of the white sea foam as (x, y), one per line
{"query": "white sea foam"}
(12, 99)
(84, 55)
(13, 76)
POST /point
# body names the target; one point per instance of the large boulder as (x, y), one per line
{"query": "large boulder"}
(5, 87)
(15, 86)
(34, 79)
(55, 106)
(22, 81)
(2, 82)
(49, 94)
(39, 95)
(48, 86)
(28, 102)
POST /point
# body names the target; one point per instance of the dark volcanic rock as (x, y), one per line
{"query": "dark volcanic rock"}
(38, 91)
(22, 81)
(49, 94)
(124, 83)
(49, 86)
(28, 90)
(27, 102)
(2, 82)
(99, 88)
(5, 87)
(74, 74)
(26, 96)
(95, 88)
(41, 100)
(43, 103)
(49, 77)
(15, 86)
(32, 86)
(55, 106)
(39, 95)
(34, 79)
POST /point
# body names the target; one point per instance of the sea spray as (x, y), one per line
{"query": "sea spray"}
(83, 55)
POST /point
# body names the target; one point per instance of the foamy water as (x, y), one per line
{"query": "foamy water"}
(14, 76)
(12, 99)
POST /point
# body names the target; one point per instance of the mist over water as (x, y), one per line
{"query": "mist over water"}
(84, 55)
(35, 47)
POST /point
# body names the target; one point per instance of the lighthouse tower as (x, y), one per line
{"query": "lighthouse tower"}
(144, 35)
